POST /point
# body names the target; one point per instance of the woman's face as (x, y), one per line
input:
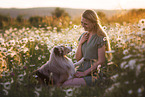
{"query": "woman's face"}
(87, 25)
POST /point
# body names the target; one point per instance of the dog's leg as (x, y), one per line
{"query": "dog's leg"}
(40, 80)
(62, 79)
(79, 62)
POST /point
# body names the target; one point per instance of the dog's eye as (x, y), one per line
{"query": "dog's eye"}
(55, 49)
(62, 48)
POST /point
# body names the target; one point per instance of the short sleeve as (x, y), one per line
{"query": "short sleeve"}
(101, 41)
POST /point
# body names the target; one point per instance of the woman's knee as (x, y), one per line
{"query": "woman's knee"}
(68, 82)
(74, 82)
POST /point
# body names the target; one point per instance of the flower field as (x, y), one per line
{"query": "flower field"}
(24, 50)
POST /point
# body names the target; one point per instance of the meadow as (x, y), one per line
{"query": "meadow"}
(26, 49)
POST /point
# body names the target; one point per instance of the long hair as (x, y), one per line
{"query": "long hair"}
(92, 16)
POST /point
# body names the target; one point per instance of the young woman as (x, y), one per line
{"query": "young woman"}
(92, 46)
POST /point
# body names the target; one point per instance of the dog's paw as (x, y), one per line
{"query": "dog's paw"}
(79, 62)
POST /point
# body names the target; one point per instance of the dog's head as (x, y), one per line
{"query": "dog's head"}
(61, 50)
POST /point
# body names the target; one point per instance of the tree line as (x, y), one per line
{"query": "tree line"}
(61, 19)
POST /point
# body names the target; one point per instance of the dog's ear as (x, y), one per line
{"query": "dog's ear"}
(57, 52)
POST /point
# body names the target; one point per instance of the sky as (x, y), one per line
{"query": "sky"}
(87, 4)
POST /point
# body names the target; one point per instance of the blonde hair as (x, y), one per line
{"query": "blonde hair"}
(92, 16)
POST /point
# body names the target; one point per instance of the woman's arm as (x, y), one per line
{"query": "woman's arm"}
(101, 60)
(78, 54)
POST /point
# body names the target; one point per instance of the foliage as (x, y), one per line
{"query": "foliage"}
(102, 17)
(1, 24)
(132, 16)
(35, 20)
(20, 18)
(61, 19)
(4, 18)
(58, 12)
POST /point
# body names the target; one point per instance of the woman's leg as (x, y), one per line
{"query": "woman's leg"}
(75, 82)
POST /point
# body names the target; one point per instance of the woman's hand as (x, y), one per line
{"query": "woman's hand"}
(84, 38)
(79, 74)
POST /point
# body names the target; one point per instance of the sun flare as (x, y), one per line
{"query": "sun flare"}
(92, 4)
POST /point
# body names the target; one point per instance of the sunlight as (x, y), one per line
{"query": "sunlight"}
(127, 4)
(91, 4)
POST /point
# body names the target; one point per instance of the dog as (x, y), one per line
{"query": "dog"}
(58, 68)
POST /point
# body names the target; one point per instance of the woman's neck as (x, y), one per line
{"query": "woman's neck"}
(92, 32)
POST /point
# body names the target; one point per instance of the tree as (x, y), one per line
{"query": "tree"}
(35, 19)
(20, 18)
(4, 18)
(58, 12)
(1, 24)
